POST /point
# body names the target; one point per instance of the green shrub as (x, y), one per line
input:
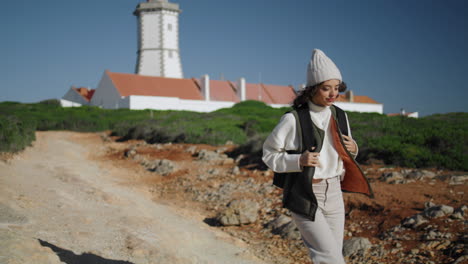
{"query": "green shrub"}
(438, 140)
(15, 134)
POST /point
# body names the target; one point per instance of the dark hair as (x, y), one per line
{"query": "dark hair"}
(304, 95)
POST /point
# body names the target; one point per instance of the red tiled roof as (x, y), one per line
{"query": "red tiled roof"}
(86, 93)
(133, 84)
(280, 94)
(357, 99)
(255, 91)
(222, 91)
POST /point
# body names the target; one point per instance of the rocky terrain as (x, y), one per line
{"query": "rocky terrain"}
(417, 216)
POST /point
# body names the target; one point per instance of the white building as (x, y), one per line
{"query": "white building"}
(159, 83)
(133, 91)
(404, 113)
(77, 97)
(158, 39)
(358, 103)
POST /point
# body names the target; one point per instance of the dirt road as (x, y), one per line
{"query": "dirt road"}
(55, 199)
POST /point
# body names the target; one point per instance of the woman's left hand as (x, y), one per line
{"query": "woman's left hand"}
(350, 144)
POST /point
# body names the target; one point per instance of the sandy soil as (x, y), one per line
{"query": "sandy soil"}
(61, 197)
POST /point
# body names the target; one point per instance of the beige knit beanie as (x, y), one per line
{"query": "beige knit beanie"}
(321, 68)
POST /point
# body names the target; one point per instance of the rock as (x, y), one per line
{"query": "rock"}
(235, 171)
(413, 174)
(221, 150)
(414, 221)
(130, 153)
(213, 171)
(239, 158)
(356, 245)
(192, 150)
(431, 235)
(457, 215)
(239, 212)
(207, 155)
(444, 245)
(461, 260)
(105, 137)
(458, 180)
(267, 173)
(140, 158)
(266, 188)
(428, 204)
(428, 174)
(227, 188)
(438, 211)
(227, 161)
(392, 177)
(436, 235)
(163, 167)
(288, 231)
(420, 174)
(279, 221)
(285, 227)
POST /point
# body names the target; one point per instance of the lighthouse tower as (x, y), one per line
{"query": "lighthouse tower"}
(158, 39)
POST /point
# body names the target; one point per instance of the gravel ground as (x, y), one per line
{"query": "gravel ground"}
(60, 203)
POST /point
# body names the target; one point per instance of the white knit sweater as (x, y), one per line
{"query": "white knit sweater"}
(284, 137)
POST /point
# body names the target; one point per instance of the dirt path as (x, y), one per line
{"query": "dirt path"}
(55, 199)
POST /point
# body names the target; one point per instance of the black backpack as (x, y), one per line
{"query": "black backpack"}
(306, 140)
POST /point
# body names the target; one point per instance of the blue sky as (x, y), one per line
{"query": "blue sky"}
(409, 54)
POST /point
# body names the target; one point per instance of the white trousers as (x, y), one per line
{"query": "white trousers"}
(324, 236)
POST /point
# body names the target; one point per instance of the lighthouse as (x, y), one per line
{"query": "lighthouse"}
(158, 39)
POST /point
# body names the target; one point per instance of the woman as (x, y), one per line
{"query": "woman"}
(313, 194)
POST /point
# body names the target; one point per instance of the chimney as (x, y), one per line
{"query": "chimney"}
(205, 86)
(350, 95)
(241, 89)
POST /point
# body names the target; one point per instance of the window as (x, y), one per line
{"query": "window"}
(169, 27)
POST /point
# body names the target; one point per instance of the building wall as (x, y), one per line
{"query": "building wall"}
(66, 103)
(149, 44)
(172, 103)
(170, 25)
(361, 107)
(158, 44)
(72, 98)
(279, 105)
(170, 44)
(106, 95)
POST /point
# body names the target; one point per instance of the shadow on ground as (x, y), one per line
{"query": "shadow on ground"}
(69, 257)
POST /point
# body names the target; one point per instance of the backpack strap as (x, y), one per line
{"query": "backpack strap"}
(307, 129)
(299, 132)
(342, 120)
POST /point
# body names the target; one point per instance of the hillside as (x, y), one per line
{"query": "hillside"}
(87, 197)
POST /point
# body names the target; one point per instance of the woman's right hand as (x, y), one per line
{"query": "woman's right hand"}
(310, 159)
